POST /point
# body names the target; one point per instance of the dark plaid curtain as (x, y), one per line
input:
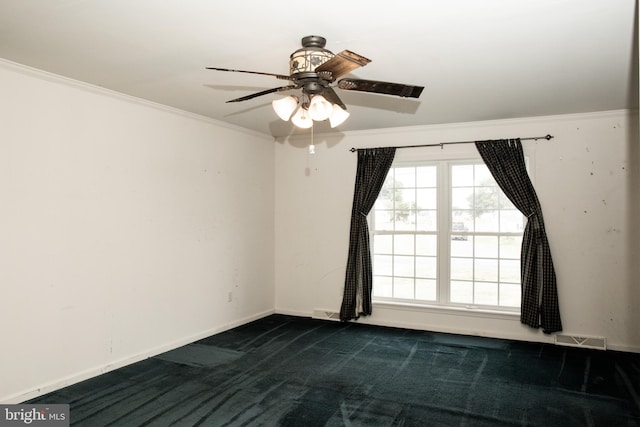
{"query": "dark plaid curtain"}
(539, 307)
(373, 166)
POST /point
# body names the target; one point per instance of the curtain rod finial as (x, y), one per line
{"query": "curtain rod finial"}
(353, 150)
(548, 137)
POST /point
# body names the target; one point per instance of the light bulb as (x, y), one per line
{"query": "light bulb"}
(338, 116)
(312, 149)
(301, 119)
(320, 109)
(285, 107)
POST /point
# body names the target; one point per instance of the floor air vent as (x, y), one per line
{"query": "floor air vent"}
(326, 315)
(598, 343)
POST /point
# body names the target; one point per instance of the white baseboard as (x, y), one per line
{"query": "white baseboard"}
(99, 370)
(457, 331)
(292, 312)
(625, 348)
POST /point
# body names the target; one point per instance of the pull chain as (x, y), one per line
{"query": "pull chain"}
(312, 148)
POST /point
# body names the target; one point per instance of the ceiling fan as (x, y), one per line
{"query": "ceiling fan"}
(314, 70)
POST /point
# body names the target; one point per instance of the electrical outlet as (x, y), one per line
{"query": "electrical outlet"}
(230, 296)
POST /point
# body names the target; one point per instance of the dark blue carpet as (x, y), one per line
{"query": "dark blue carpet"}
(292, 371)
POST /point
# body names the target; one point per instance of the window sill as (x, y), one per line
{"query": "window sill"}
(452, 310)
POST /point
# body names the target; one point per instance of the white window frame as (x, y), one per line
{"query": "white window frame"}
(443, 233)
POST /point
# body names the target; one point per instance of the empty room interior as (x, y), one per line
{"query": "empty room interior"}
(143, 213)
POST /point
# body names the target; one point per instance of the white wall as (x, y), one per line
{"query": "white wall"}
(124, 226)
(586, 179)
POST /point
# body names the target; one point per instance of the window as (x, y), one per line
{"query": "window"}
(443, 233)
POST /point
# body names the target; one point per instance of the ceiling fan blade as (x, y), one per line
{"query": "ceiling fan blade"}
(396, 89)
(342, 63)
(264, 92)
(331, 96)
(278, 76)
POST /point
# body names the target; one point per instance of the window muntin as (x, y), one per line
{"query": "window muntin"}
(444, 233)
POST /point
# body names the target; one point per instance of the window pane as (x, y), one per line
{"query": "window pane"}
(510, 271)
(403, 288)
(482, 175)
(486, 270)
(462, 198)
(403, 266)
(426, 267)
(382, 286)
(426, 289)
(462, 268)
(426, 176)
(426, 244)
(462, 220)
(486, 293)
(487, 221)
(382, 265)
(382, 244)
(462, 246)
(461, 292)
(461, 175)
(510, 246)
(427, 221)
(486, 198)
(381, 204)
(486, 246)
(385, 199)
(403, 244)
(383, 220)
(426, 198)
(405, 177)
(511, 221)
(406, 199)
(510, 295)
(405, 220)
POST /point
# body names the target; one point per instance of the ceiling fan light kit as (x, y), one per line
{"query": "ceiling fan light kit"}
(285, 107)
(338, 116)
(314, 70)
(320, 109)
(302, 119)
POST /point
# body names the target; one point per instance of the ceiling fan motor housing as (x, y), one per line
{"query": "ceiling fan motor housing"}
(310, 56)
(304, 61)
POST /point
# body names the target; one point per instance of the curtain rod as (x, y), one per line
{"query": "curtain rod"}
(442, 144)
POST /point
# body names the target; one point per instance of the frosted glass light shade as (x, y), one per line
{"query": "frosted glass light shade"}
(320, 109)
(338, 116)
(285, 107)
(301, 119)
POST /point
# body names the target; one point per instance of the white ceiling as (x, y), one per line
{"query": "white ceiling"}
(478, 60)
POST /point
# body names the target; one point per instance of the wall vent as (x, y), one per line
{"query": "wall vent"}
(325, 315)
(598, 343)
